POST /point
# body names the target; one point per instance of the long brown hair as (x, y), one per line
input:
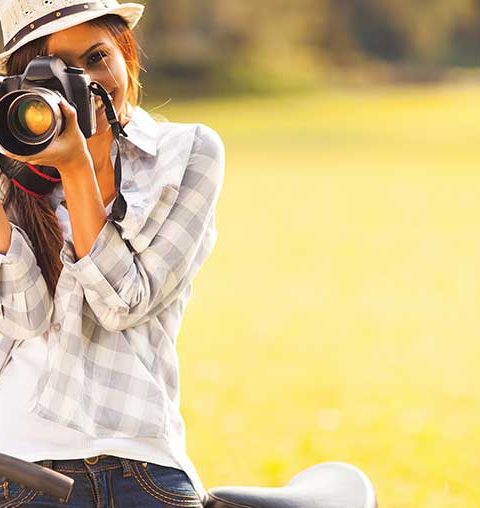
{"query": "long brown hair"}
(36, 215)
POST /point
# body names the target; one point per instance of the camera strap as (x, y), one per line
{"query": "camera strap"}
(119, 207)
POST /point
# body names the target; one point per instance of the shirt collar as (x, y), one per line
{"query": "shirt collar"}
(142, 131)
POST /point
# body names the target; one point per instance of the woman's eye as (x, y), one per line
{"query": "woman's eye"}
(97, 57)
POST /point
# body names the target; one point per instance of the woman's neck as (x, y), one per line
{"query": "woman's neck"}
(99, 147)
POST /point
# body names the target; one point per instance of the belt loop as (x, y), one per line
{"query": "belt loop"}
(91, 461)
(127, 467)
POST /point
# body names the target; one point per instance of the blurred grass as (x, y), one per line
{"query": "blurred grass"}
(338, 317)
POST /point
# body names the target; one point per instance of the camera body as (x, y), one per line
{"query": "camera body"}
(40, 87)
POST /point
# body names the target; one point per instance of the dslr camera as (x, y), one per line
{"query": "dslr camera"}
(30, 114)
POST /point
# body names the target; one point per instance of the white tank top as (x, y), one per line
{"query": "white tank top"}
(29, 437)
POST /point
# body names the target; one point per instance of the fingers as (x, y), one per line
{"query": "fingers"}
(69, 112)
(5, 152)
(61, 148)
(12, 155)
(67, 108)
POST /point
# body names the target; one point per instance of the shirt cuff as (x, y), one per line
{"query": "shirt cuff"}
(19, 263)
(108, 261)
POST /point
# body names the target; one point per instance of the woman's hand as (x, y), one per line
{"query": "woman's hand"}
(66, 152)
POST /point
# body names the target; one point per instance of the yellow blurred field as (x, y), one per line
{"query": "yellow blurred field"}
(339, 316)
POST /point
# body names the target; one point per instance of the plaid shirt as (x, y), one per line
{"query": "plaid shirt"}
(112, 326)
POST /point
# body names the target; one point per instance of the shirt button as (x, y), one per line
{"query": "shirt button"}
(57, 327)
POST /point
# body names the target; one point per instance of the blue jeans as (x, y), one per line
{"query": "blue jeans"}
(109, 482)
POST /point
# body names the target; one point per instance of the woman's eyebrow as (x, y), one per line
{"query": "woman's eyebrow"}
(91, 49)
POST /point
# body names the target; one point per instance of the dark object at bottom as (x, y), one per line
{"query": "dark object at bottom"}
(327, 485)
(36, 477)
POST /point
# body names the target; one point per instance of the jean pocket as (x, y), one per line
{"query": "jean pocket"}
(12, 494)
(170, 485)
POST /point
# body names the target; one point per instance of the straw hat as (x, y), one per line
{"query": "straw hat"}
(26, 20)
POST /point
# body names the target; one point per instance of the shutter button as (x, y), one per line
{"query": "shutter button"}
(75, 70)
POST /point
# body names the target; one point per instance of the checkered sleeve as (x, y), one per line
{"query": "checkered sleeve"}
(6, 346)
(25, 303)
(125, 288)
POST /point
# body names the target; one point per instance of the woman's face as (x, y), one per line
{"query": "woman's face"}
(93, 49)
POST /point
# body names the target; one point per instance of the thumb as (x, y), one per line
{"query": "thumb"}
(70, 114)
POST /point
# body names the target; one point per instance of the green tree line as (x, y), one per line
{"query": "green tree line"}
(202, 40)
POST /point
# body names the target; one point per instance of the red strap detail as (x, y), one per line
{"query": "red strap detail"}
(42, 175)
(28, 191)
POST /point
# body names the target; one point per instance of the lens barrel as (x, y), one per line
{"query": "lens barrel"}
(30, 120)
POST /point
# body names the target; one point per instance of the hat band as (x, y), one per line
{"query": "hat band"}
(48, 18)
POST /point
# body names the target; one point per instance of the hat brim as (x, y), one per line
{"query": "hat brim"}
(131, 12)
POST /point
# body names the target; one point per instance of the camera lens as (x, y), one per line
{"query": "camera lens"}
(31, 119)
(34, 117)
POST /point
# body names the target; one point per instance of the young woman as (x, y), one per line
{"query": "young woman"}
(91, 304)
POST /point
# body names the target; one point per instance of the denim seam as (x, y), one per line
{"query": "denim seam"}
(110, 486)
(97, 497)
(20, 499)
(97, 470)
(91, 487)
(167, 492)
(160, 494)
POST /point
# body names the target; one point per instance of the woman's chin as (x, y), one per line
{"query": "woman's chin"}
(102, 123)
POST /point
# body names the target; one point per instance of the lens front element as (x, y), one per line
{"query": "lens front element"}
(34, 117)
(31, 119)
